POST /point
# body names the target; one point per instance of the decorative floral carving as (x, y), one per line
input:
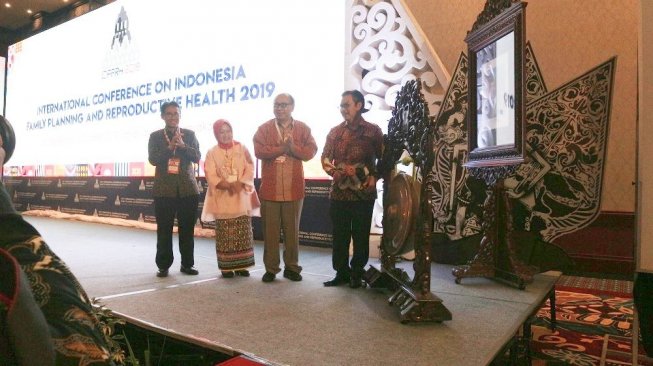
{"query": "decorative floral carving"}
(490, 175)
(386, 53)
(409, 125)
(491, 9)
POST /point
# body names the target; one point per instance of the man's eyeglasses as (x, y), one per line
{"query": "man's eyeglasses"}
(281, 105)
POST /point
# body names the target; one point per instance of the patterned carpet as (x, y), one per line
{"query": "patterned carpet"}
(595, 285)
(594, 325)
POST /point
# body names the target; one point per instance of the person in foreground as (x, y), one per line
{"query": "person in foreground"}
(230, 201)
(283, 144)
(173, 150)
(350, 157)
(46, 317)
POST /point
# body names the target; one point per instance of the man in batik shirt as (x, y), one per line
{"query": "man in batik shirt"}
(350, 156)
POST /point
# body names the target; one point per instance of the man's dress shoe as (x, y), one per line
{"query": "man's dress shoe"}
(189, 270)
(162, 272)
(336, 281)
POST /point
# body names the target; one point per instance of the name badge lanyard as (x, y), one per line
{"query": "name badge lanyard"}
(174, 162)
(282, 137)
(165, 135)
(228, 164)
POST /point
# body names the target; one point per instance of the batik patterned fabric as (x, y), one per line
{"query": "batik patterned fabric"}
(233, 243)
(361, 146)
(67, 309)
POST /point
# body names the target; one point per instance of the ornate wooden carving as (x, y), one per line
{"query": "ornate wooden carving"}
(410, 129)
(497, 255)
(483, 43)
(491, 10)
(493, 162)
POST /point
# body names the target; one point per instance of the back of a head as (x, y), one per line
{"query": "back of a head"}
(7, 138)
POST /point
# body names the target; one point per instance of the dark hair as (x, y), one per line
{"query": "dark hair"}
(165, 105)
(7, 139)
(358, 98)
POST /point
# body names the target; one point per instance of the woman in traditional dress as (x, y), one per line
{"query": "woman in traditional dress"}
(229, 201)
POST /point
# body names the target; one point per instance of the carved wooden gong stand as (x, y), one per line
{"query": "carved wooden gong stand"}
(409, 130)
(497, 255)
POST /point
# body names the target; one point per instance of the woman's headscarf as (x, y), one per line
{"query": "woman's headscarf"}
(216, 130)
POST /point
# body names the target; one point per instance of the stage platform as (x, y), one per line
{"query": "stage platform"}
(284, 322)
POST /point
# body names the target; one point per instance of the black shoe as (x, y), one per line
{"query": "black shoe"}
(355, 282)
(189, 270)
(242, 273)
(227, 274)
(356, 279)
(268, 277)
(336, 281)
(293, 276)
(162, 272)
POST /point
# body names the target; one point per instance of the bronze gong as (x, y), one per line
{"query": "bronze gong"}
(400, 215)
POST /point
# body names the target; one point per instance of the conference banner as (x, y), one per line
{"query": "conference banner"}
(88, 92)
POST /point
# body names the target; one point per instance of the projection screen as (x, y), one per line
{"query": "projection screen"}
(88, 91)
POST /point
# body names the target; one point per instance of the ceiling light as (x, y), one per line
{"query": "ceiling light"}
(29, 11)
(7, 5)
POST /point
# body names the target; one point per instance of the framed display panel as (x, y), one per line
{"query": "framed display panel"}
(495, 116)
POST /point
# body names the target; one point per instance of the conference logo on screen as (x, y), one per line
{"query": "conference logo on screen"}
(12, 53)
(122, 56)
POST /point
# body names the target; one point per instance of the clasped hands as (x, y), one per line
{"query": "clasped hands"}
(348, 171)
(287, 145)
(231, 187)
(177, 141)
